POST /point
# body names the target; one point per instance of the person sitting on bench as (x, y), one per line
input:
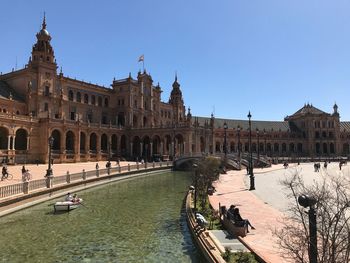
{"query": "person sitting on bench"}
(239, 220)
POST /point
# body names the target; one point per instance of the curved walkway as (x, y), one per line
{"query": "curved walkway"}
(230, 189)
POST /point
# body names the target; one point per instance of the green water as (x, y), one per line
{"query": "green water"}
(139, 220)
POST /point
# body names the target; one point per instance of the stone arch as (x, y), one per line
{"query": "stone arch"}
(136, 145)
(246, 147)
(82, 141)
(104, 142)
(70, 140)
(217, 147)
(346, 149)
(4, 132)
(318, 148)
(254, 147)
(146, 148)
(325, 148)
(145, 121)
(331, 148)
(21, 139)
(268, 147)
(114, 142)
(179, 143)
(123, 144)
(121, 119)
(291, 147)
(261, 147)
(167, 141)
(284, 148)
(232, 147)
(156, 144)
(276, 148)
(300, 147)
(56, 134)
(93, 142)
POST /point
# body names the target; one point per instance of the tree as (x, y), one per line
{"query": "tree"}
(207, 172)
(331, 192)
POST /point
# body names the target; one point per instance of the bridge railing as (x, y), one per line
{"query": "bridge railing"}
(26, 187)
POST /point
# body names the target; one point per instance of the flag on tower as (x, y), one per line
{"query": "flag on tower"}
(141, 58)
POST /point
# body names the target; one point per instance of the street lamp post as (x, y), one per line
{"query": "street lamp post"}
(306, 201)
(49, 170)
(257, 132)
(251, 173)
(239, 146)
(225, 144)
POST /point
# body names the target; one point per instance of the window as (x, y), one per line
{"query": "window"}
(78, 97)
(86, 98)
(93, 100)
(72, 115)
(106, 102)
(99, 101)
(47, 91)
(135, 104)
(104, 119)
(70, 95)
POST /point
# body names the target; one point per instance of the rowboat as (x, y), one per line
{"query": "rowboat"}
(67, 205)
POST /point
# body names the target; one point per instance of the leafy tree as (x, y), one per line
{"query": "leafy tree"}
(206, 173)
(333, 228)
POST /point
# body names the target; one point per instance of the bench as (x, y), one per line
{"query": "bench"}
(234, 229)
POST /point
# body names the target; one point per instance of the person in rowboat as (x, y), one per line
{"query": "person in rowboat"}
(69, 197)
(75, 199)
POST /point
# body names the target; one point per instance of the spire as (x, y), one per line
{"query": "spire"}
(175, 76)
(44, 22)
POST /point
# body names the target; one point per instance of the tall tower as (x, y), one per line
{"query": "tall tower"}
(177, 102)
(42, 51)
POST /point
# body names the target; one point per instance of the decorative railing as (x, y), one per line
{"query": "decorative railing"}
(49, 182)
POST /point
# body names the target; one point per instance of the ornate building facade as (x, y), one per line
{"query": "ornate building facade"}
(128, 119)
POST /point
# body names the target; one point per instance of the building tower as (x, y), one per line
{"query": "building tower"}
(177, 103)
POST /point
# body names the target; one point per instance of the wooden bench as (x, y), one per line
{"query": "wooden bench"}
(232, 228)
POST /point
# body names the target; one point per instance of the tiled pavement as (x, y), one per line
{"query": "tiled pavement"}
(230, 189)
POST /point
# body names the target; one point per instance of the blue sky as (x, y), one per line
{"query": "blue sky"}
(232, 56)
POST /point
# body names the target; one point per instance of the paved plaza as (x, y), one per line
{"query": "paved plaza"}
(265, 206)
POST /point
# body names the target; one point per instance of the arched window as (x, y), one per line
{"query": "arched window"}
(93, 100)
(86, 98)
(99, 101)
(70, 95)
(78, 97)
(106, 102)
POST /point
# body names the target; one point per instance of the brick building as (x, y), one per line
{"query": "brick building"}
(89, 122)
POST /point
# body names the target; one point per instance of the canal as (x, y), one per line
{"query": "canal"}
(138, 220)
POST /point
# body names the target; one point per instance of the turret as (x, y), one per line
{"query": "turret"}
(177, 102)
(42, 51)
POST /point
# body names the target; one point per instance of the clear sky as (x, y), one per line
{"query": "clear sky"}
(231, 56)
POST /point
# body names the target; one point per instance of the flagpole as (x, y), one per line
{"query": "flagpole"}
(143, 65)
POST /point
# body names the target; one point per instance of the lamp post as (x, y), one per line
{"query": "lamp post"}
(251, 173)
(257, 133)
(264, 142)
(239, 145)
(225, 144)
(306, 201)
(49, 169)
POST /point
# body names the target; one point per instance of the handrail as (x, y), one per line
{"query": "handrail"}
(48, 182)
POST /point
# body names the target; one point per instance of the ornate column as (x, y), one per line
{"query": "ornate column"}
(161, 148)
(8, 142)
(13, 142)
